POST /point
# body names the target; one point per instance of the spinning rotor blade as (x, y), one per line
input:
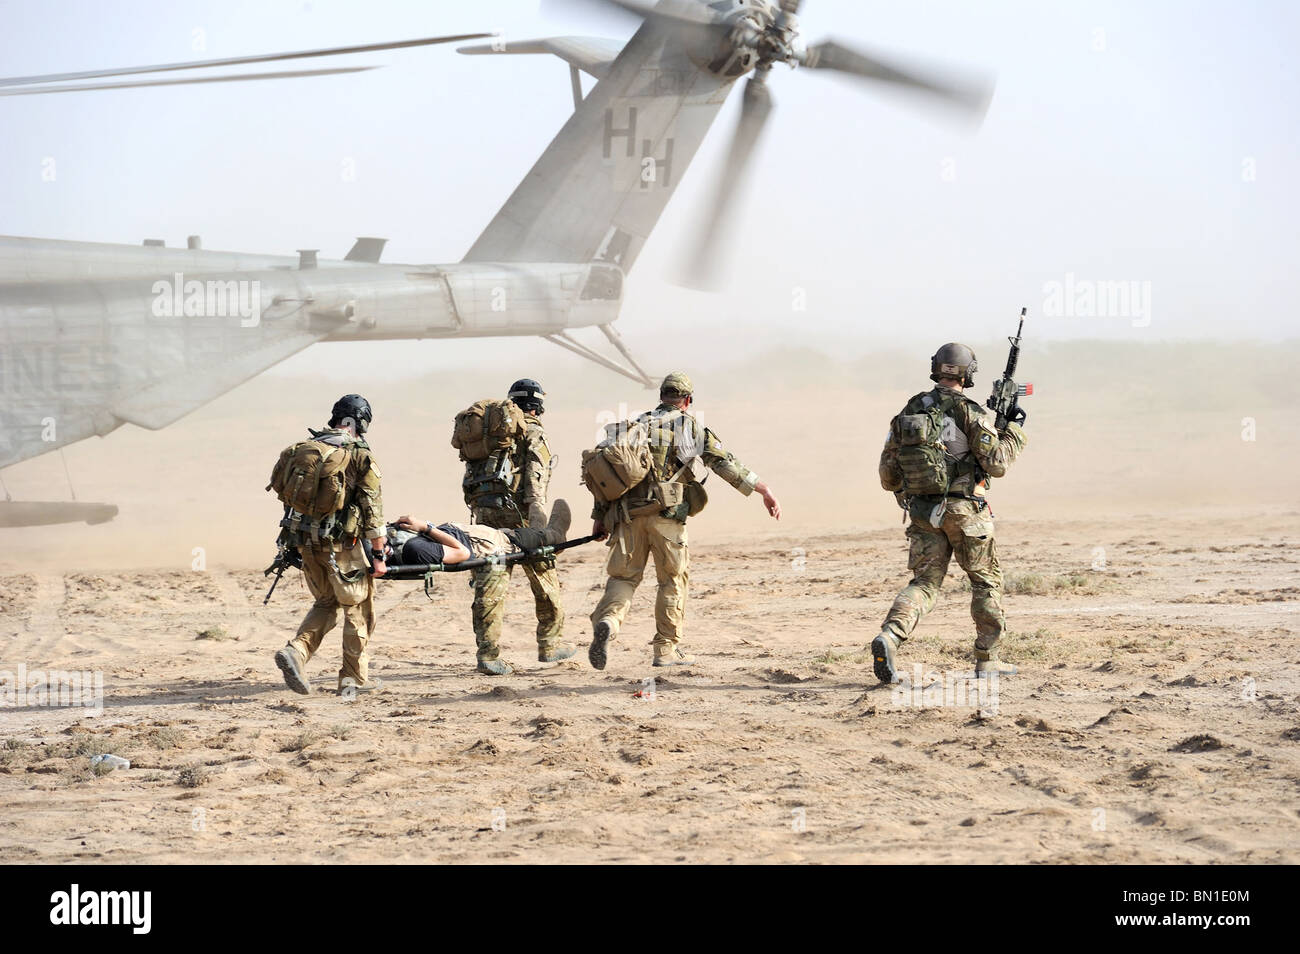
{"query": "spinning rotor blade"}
(76, 87)
(968, 93)
(685, 12)
(703, 271)
(238, 60)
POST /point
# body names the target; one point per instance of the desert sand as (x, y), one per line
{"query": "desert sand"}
(1149, 546)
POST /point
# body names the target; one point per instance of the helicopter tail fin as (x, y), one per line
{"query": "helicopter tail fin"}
(598, 190)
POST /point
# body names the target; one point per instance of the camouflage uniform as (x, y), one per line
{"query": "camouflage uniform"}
(959, 524)
(510, 503)
(641, 527)
(334, 563)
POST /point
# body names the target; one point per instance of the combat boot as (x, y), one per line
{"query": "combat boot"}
(601, 637)
(287, 660)
(493, 667)
(991, 664)
(557, 528)
(675, 657)
(349, 683)
(883, 648)
(536, 517)
(556, 653)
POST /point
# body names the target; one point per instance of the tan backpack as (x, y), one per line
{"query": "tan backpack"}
(310, 477)
(486, 427)
(619, 462)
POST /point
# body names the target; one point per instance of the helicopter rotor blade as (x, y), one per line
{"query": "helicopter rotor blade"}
(683, 12)
(704, 270)
(968, 93)
(237, 60)
(133, 84)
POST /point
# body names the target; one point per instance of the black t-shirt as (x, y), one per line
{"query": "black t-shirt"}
(421, 549)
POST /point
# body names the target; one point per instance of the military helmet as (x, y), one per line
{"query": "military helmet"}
(354, 408)
(954, 360)
(528, 394)
(676, 385)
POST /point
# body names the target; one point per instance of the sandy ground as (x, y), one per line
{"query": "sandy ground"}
(1149, 538)
(1157, 719)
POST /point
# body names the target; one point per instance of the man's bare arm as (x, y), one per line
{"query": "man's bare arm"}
(453, 551)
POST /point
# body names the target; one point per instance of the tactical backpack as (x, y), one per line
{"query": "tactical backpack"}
(486, 427)
(923, 457)
(619, 462)
(310, 478)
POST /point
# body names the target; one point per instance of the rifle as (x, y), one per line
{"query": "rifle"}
(418, 571)
(285, 557)
(1004, 402)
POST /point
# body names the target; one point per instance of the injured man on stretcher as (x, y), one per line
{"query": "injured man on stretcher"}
(416, 541)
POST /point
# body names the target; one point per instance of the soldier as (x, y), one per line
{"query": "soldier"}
(512, 498)
(333, 559)
(956, 520)
(638, 530)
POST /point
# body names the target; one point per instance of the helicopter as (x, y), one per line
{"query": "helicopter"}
(98, 335)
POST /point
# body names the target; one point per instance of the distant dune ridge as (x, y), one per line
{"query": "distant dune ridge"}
(1114, 428)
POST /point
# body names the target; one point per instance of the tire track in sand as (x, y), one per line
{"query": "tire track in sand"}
(44, 630)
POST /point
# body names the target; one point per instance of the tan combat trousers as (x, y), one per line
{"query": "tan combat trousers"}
(332, 592)
(632, 543)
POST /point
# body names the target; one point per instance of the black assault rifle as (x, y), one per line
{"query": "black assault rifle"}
(286, 557)
(1005, 400)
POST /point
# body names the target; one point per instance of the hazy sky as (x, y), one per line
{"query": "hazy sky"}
(1128, 141)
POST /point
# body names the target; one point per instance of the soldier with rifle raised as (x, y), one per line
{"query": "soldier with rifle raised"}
(940, 452)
